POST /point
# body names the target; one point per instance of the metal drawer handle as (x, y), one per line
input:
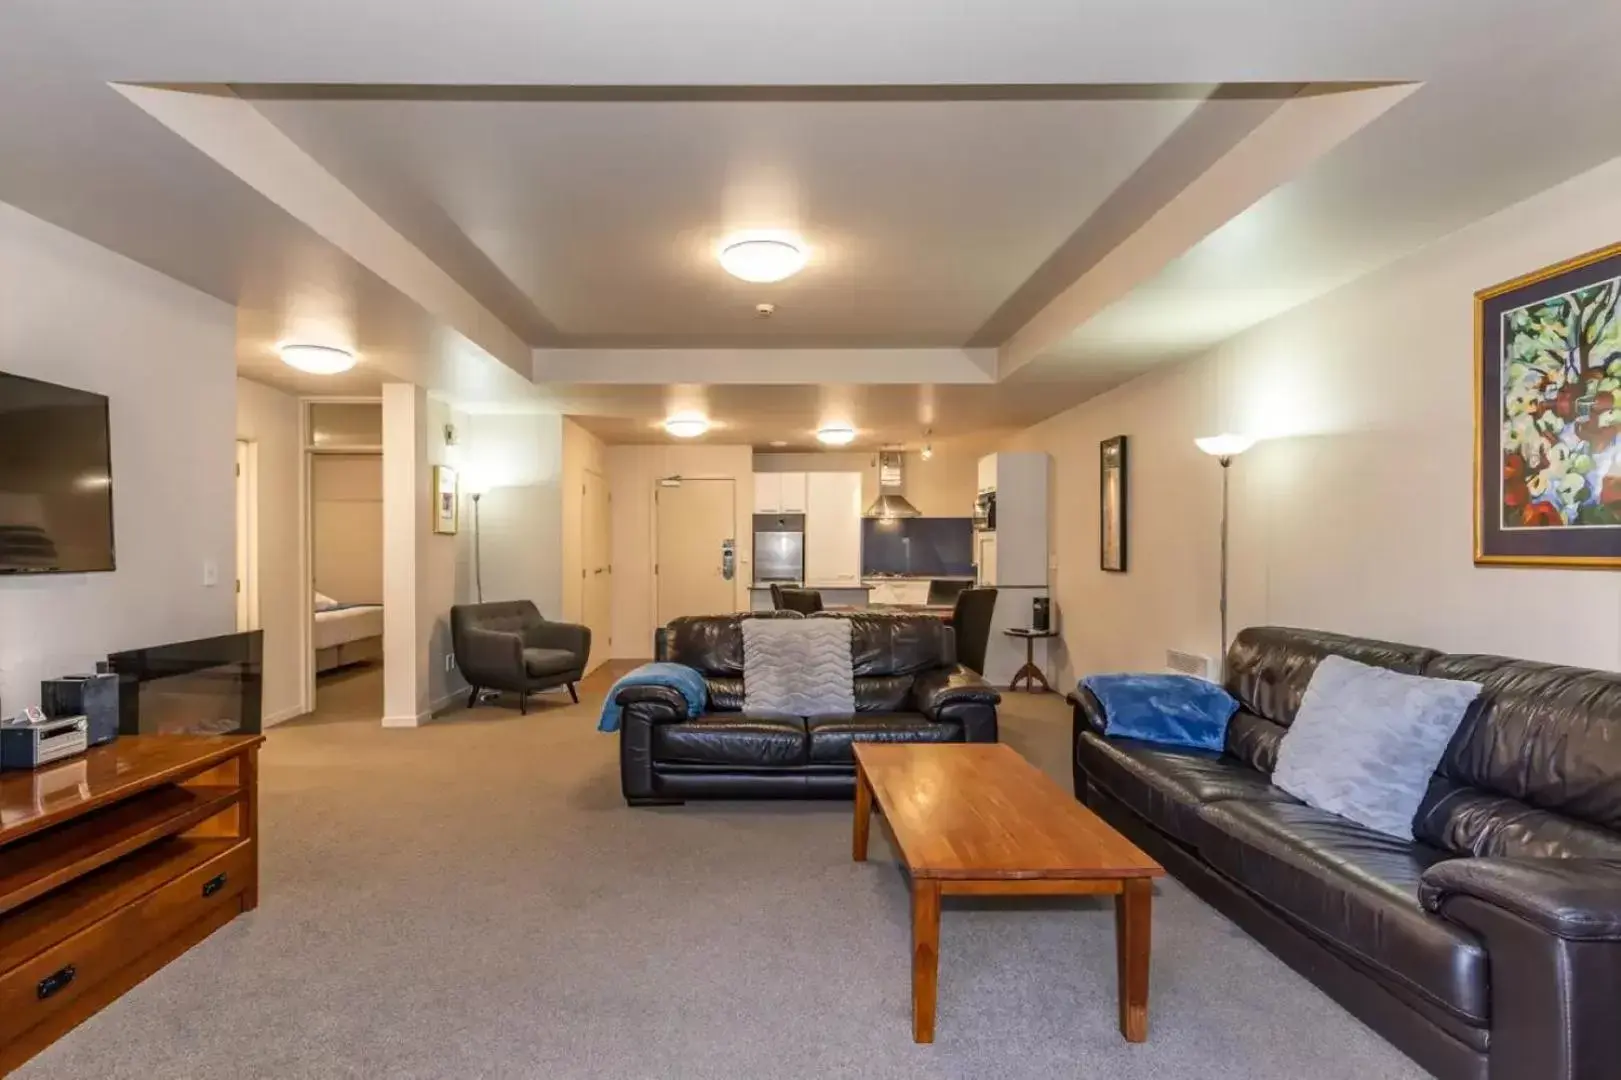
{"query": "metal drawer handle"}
(50, 984)
(213, 885)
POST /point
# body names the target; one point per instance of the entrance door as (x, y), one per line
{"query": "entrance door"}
(696, 524)
(596, 603)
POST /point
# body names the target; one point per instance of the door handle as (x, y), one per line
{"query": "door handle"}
(728, 559)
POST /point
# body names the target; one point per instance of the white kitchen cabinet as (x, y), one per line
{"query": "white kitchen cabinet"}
(832, 528)
(793, 493)
(779, 493)
(767, 493)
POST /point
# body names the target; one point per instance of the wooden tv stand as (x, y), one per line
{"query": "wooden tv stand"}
(112, 864)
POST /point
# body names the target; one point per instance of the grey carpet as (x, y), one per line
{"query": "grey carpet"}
(473, 899)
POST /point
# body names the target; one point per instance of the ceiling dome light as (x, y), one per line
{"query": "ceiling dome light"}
(836, 435)
(762, 260)
(316, 359)
(686, 427)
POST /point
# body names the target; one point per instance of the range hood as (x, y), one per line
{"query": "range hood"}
(891, 479)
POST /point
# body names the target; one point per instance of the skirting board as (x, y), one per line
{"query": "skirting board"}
(437, 708)
(289, 713)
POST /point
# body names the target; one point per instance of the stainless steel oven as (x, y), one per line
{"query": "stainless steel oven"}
(985, 512)
(779, 548)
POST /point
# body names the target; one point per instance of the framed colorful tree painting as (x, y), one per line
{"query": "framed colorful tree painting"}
(1548, 416)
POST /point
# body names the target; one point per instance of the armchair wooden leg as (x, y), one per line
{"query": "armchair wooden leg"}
(523, 702)
(472, 697)
(573, 693)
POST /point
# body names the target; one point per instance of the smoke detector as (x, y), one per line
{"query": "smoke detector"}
(765, 311)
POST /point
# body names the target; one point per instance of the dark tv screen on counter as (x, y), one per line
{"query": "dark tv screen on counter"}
(56, 484)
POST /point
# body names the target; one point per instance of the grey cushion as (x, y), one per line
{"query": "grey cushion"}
(1366, 741)
(542, 662)
(800, 667)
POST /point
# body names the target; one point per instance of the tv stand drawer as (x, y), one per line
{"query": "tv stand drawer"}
(41, 987)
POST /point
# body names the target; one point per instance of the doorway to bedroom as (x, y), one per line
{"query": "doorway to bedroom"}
(344, 471)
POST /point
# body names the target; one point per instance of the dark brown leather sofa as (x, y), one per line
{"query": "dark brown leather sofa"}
(1488, 948)
(908, 688)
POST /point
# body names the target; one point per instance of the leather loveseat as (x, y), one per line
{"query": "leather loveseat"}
(908, 688)
(1487, 948)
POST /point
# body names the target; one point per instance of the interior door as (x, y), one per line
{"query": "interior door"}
(696, 522)
(597, 591)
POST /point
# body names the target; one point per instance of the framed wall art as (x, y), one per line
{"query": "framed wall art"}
(1548, 416)
(1112, 504)
(446, 500)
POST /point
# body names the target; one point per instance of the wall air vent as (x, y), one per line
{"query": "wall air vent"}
(1187, 663)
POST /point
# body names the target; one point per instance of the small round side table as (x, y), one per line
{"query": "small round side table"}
(1030, 673)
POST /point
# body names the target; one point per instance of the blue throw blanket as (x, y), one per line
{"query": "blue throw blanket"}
(675, 676)
(1174, 710)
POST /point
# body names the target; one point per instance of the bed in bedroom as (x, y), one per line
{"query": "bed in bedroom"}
(347, 634)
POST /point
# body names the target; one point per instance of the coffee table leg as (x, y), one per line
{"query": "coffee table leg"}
(1132, 920)
(925, 957)
(863, 818)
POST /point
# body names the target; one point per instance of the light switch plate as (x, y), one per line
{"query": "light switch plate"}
(211, 573)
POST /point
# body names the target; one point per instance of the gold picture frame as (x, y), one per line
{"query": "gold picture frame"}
(1548, 401)
(446, 501)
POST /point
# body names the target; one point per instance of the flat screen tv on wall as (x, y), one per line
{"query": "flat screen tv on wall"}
(56, 480)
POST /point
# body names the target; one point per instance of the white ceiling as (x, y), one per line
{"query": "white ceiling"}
(760, 415)
(921, 217)
(555, 215)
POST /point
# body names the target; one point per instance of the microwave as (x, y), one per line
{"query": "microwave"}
(985, 511)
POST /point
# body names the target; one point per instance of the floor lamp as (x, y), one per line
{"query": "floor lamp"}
(478, 558)
(1224, 448)
(477, 488)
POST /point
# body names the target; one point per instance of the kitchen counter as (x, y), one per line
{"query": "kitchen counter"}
(842, 585)
(880, 579)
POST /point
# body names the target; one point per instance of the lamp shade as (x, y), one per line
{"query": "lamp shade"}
(1225, 445)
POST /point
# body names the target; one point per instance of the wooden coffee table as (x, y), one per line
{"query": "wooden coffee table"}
(977, 819)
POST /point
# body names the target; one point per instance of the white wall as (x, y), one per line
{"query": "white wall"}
(269, 419)
(445, 569)
(1356, 515)
(632, 473)
(74, 313)
(520, 458)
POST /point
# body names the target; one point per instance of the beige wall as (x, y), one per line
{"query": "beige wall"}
(632, 473)
(582, 452)
(943, 486)
(520, 459)
(424, 573)
(164, 354)
(269, 419)
(445, 576)
(1356, 515)
(347, 515)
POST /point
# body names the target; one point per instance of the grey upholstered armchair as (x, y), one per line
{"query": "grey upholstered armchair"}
(508, 646)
